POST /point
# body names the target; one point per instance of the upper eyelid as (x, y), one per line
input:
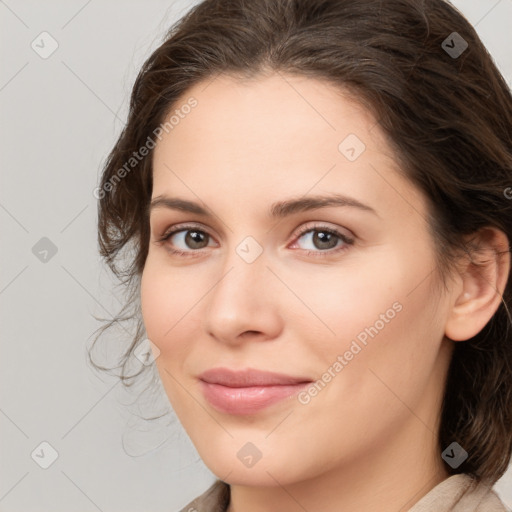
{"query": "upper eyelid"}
(310, 226)
(176, 228)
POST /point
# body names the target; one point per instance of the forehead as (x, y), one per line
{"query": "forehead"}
(270, 135)
(279, 109)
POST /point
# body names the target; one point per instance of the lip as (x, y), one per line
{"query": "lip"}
(247, 391)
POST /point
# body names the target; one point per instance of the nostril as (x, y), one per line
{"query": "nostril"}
(250, 332)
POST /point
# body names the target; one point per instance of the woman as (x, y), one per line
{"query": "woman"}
(311, 198)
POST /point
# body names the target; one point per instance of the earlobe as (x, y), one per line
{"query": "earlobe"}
(484, 278)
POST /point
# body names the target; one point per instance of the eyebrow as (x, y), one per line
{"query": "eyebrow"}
(277, 210)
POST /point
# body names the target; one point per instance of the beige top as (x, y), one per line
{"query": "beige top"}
(458, 493)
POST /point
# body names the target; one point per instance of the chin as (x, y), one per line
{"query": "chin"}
(257, 477)
(269, 471)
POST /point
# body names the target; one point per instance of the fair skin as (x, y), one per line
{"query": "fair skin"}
(368, 439)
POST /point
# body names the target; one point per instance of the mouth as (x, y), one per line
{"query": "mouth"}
(249, 391)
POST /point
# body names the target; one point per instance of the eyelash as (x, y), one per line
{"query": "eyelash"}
(307, 229)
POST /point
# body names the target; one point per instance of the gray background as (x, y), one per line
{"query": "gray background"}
(60, 117)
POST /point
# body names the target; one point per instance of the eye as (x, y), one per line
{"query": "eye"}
(185, 240)
(319, 240)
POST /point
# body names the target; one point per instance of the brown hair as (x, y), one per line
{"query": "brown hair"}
(448, 117)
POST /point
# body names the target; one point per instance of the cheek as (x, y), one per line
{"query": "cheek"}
(344, 303)
(399, 339)
(387, 361)
(153, 301)
(166, 298)
(166, 310)
(377, 314)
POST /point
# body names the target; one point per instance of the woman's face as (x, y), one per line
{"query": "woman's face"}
(305, 254)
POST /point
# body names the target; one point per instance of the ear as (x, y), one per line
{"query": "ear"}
(483, 278)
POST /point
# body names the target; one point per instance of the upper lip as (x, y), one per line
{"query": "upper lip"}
(248, 378)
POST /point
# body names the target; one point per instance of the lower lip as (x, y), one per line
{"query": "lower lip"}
(247, 400)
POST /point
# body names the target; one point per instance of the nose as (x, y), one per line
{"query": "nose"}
(243, 304)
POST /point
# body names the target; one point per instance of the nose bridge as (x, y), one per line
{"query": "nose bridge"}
(240, 300)
(241, 277)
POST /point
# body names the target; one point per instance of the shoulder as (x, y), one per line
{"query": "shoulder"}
(460, 493)
(214, 499)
